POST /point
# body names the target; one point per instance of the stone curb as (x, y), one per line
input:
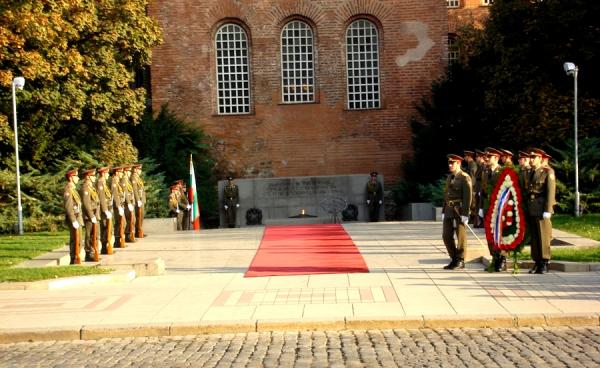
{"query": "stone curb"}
(94, 332)
(563, 266)
(64, 282)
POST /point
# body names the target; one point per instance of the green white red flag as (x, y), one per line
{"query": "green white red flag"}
(193, 198)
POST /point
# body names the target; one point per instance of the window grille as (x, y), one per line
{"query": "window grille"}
(452, 3)
(487, 2)
(362, 54)
(452, 49)
(297, 63)
(233, 86)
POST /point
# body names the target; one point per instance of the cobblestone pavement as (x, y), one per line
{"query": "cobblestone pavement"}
(524, 347)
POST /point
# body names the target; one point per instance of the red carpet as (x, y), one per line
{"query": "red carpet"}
(304, 250)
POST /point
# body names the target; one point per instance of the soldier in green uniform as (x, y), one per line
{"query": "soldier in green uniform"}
(231, 199)
(455, 212)
(488, 182)
(118, 206)
(480, 158)
(73, 219)
(129, 204)
(173, 202)
(140, 199)
(471, 169)
(374, 197)
(541, 192)
(506, 159)
(91, 214)
(106, 211)
(184, 205)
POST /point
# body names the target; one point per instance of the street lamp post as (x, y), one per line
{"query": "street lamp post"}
(17, 83)
(571, 69)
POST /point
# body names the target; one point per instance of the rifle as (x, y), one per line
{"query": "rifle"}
(77, 259)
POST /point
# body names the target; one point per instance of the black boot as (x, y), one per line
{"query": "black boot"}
(543, 267)
(451, 265)
(459, 265)
(500, 264)
(534, 268)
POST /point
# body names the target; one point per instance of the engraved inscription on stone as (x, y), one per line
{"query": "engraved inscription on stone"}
(301, 188)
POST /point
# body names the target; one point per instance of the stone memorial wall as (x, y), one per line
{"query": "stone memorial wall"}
(281, 198)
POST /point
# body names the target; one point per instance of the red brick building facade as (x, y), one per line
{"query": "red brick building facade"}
(300, 87)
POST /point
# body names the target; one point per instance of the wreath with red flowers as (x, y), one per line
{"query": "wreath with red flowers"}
(505, 219)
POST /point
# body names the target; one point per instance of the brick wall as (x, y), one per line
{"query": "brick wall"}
(321, 138)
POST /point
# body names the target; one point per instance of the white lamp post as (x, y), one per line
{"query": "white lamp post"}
(17, 83)
(571, 69)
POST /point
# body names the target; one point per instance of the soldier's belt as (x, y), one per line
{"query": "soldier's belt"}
(454, 203)
(536, 195)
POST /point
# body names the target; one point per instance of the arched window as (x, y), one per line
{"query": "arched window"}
(297, 63)
(233, 77)
(362, 55)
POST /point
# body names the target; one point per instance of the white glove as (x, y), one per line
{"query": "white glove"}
(121, 212)
(480, 213)
(546, 215)
(177, 210)
(94, 220)
(380, 202)
(76, 224)
(226, 206)
(139, 203)
(108, 214)
(237, 205)
(464, 219)
(130, 206)
(189, 207)
(442, 217)
(368, 201)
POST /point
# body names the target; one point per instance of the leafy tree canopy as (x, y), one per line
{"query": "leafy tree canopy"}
(510, 90)
(79, 59)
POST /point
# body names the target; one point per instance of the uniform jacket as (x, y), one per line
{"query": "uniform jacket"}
(139, 191)
(174, 202)
(489, 178)
(104, 197)
(90, 200)
(231, 195)
(374, 192)
(457, 195)
(541, 191)
(72, 205)
(127, 190)
(117, 192)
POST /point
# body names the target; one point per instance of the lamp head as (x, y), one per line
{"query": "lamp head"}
(19, 82)
(569, 67)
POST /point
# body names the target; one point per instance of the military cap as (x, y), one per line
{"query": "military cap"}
(137, 166)
(117, 169)
(230, 178)
(506, 153)
(479, 152)
(492, 151)
(73, 172)
(174, 186)
(537, 152)
(90, 172)
(454, 158)
(374, 173)
(469, 153)
(103, 170)
(127, 168)
(523, 154)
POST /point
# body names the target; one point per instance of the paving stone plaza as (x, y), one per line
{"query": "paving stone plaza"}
(201, 311)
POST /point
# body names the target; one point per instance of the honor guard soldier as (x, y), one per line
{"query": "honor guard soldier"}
(524, 169)
(173, 202)
(73, 219)
(231, 199)
(488, 182)
(91, 215)
(506, 159)
(106, 211)
(471, 169)
(374, 197)
(129, 204)
(541, 192)
(140, 199)
(118, 206)
(184, 205)
(480, 157)
(455, 212)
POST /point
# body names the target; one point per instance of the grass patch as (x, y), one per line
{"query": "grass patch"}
(15, 249)
(571, 254)
(45, 273)
(587, 226)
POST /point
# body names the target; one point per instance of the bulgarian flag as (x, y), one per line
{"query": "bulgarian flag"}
(193, 198)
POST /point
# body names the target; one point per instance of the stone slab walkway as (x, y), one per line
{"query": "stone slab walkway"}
(203, 290)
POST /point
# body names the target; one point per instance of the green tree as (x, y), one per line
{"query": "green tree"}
(79, 59)
(510, 89)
